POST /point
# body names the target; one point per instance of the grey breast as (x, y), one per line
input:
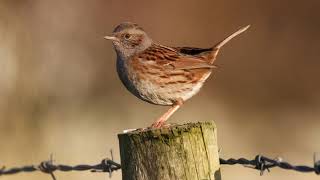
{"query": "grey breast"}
(123, 75)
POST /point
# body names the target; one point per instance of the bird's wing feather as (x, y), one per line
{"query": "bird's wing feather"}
(192, 50)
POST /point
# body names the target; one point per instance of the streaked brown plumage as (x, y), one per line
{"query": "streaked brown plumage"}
(159, 74)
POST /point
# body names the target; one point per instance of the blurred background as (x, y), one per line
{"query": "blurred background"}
(60, 94)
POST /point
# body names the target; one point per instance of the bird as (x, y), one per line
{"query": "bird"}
(159, 74)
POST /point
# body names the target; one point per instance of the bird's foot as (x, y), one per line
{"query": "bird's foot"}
(160, 124)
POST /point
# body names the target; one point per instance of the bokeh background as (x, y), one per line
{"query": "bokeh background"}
(60, 94)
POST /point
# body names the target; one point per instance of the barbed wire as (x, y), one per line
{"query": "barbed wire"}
(260, 163)
(263, 163)
(48, 167)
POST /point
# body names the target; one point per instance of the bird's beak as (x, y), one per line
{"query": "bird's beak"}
(112, 38)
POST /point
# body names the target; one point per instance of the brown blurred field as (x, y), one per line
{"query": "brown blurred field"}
(60, 94)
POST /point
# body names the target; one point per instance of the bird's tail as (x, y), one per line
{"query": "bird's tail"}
(217, 47)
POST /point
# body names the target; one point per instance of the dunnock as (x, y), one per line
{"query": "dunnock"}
(160, 74)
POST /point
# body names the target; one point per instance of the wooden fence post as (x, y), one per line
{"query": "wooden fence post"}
(182, 152)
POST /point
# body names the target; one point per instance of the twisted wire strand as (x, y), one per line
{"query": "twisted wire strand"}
(106, 165)
(263, 163)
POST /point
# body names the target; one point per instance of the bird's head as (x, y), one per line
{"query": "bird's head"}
(129, 39)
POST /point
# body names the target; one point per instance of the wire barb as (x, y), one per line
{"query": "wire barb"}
(108, 165)
(48, 167)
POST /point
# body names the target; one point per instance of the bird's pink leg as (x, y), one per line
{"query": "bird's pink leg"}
(160, 122)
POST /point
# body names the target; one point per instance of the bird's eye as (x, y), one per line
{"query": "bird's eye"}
(127, 36)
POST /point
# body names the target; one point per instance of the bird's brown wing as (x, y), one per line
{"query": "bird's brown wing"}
(174, 59)
(171, 66)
